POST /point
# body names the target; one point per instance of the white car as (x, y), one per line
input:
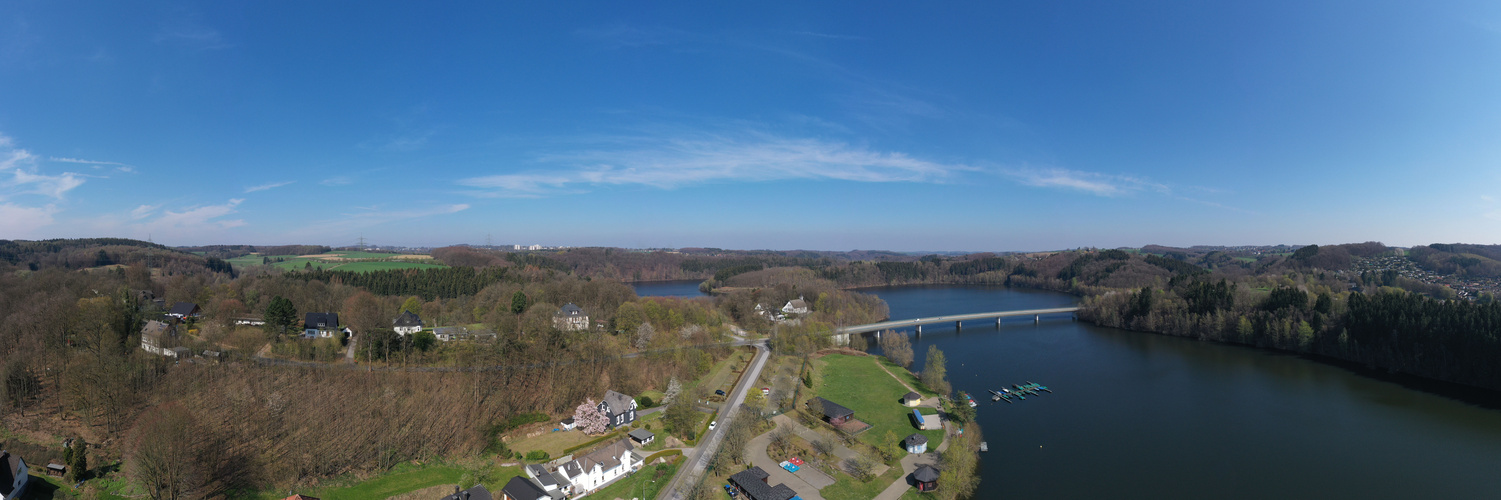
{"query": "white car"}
(711, 424)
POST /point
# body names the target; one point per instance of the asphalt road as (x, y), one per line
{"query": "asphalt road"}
(710, 443)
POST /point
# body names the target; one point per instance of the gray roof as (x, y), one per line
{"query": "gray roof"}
(184, 308)
(569, 309)
(915, 440)
(155, 329)
(925, 473)
(520, 488)
(407, 319)
(911, 396)
(830, 408)
(607, 457)
(478, 492)
(617, 402)
(642, 435)
(753, 482)
(321, 320)
(10, 467)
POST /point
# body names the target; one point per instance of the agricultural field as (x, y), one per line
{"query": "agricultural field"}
(340, 261)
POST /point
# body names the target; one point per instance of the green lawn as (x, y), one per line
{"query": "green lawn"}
(858, 384)
(643, 484)
(361, 267)
(552, 442)
(847, 488)
(403, 478)
(907, 377)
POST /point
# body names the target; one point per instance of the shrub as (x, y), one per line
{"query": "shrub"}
(536, 456)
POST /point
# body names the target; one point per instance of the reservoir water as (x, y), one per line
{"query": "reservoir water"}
(676, 288)
(1140, 415)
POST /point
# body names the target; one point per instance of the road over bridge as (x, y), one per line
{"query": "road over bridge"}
(958, 319)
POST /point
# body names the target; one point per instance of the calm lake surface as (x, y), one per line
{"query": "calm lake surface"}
(688, 288)
(1139, 415)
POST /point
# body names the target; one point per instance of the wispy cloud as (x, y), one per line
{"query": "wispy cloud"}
(192, 36)
(626, 36)
(24, 177)
(202, 217)
(829, 35)
(1089, 182)
(143, 211)
(677, 162)
(1108, 185)
(263, 187)
(349, 222)
(338, 180)
(97, 164)
(18, 221)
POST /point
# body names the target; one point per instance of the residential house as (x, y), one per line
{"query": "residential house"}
(185, 310)
(478, 492)
(13, 476)
(796, 306)
(321, 325)
(407, 323)
(642, 436)
(155, 336)
(600, 467)
(912, 399)
(916, 443)
(570, 318)
(832, 412)
(752, 483)
(926, 478)
(300, 496)
(618, 409)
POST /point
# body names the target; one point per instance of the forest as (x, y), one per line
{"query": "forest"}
(70, 337)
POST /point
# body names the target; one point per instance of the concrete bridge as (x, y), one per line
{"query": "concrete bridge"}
(958, 320)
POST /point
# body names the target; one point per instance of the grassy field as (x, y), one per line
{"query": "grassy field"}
(332, 261)
(403, 478)
(859, 384)
(847, 488)
(551, 442)
(643, 484)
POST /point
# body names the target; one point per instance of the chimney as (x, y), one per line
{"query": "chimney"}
(466, 495)
(455, 490)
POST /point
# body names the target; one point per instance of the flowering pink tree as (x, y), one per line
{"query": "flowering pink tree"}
(588, 418)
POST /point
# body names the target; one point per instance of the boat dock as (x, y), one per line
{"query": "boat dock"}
(1019, 392)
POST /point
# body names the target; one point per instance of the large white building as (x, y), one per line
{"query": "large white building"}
(600, 467)
(13, 475)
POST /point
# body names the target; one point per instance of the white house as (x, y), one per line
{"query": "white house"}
(796, 306)
(618, 409)
(570, 318)
(154, 337)
(600, 467)
(13, 476)
(407, 323)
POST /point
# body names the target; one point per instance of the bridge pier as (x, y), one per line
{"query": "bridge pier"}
(997, 321)
(1036, 318)
(919, 329)
(958, 325)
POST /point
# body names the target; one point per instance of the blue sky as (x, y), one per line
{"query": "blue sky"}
(967, 126)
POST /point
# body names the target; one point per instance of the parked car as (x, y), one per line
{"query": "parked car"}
(712, 423)
(719, 392)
